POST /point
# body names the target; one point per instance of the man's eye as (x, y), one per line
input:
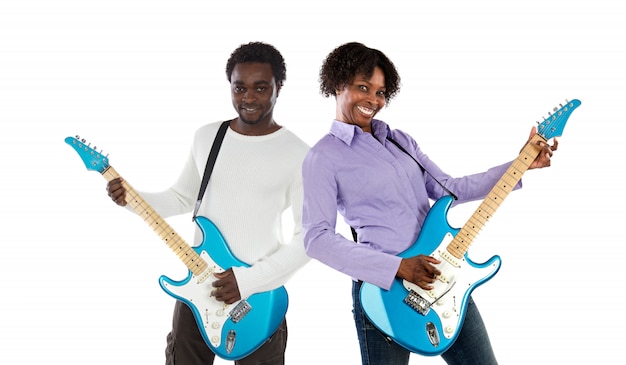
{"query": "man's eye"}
(238, 89)
(261, 88)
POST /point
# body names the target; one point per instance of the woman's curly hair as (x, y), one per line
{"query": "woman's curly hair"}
(345, 62)
(262, 53)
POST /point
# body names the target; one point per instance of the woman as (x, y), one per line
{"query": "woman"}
(359, 171)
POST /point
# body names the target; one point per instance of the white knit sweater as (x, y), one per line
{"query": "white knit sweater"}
(255, 180)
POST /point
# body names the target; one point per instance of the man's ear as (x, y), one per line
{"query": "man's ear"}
(278, 88)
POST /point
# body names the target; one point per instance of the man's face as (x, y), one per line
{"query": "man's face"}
(253, 91)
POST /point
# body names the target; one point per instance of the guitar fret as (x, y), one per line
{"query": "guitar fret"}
(184, 251)
(464, 238)
(502, 190)
(483, 214)
(189, 257)
(476, 225)
(169, 235)
(488, 208)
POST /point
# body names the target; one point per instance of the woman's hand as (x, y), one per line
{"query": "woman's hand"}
(545, 155)
(419, 270)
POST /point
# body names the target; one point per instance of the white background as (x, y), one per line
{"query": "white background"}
(136, 78)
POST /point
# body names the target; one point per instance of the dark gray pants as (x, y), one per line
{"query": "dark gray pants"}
(185, 345)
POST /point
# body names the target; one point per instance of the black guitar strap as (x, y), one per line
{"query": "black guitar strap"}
(210, 162)
(354, 235)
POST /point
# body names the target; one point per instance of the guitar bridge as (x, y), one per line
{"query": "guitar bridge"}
(240, 311)
(417, 302)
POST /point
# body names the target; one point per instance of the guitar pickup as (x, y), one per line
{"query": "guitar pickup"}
(417, 302)
(205, 275)
(450, 259)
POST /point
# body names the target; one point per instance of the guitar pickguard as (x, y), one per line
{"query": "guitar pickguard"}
(451, 289)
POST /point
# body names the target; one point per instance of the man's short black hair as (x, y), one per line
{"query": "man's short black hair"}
(262, 53)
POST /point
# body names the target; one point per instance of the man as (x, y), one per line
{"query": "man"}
(256, 177)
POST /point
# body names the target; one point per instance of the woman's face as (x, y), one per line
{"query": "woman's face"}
(358, 102)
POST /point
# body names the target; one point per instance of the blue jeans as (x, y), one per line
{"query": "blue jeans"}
(472, 346)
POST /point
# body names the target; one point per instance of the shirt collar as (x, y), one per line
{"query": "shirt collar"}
(346, 132)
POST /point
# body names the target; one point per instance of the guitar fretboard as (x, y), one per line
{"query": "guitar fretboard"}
(462, 241)
(182, 249)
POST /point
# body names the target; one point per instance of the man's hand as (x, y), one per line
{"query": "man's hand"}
(226, 288)
(116, 191)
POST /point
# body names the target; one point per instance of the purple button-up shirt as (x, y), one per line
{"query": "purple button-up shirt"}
(380, 191)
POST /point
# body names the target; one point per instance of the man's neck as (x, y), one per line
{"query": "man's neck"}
(254, 129)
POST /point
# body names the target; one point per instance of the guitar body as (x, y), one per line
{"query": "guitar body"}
(433, 332)
(227, 335)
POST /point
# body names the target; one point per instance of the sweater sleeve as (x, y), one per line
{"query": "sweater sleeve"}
(273, 270)
(179, 198)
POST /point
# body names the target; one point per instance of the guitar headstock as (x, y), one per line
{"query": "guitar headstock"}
(92, 159)
(553, 125)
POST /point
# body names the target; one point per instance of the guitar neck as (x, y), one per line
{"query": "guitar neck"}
(184, 251)
(462, 241)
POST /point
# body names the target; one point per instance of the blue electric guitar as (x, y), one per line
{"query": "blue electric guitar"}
(428, 322)
(231, 331)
